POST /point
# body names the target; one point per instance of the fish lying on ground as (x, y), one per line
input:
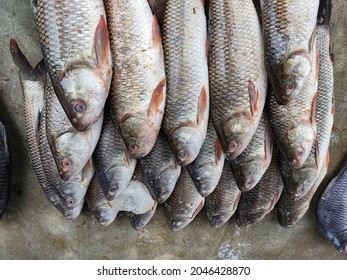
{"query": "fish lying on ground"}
(222, 203)
(255, 204)
(289, 32)
(74, 42)
(207, 168)
(113, 163)
(160, 169)
(187, 107)
(184, 203)
(250, 166)
(138, 90)
(238, 79)
(4, 170)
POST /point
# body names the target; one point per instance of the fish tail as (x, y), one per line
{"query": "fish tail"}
(324, 12)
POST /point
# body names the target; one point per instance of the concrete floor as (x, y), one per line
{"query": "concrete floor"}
(32, 229)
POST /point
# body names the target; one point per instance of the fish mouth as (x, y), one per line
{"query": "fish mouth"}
(179, 223)
(206, 179)
(186, 143)
(218, 220)
(106, 216)
(164, 184)
(339, 241)
(250, 219)
(249, 174)
(72, 194)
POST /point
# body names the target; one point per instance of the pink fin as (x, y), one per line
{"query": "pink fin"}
(313, 110)
(236, 202)
(253, 97)
(218, 150)
(202, 107)
(102, 46)
(275, 199)
(157, 99)
(156, 32)
(198, 209)
(327, 159)
(268, 142)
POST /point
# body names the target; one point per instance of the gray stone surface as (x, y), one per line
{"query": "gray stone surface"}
(32, 229)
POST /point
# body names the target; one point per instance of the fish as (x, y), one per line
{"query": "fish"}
(158, 9)
(222, 203)
(238, 78)
(250, 166)
(138, 88)
(299, 181)
(332, 210)
(293, 125)
(290, 210)
(4, 169)
(160, 169)
(138, 221)
(206, 169)
(74, 40)
(184, 203)
(98, 204)
(33, 82)
(71, 148)
(255, 204)
(289, 33)
(185, 54)
(113, 163)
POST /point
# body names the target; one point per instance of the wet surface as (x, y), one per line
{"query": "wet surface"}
(33, 229)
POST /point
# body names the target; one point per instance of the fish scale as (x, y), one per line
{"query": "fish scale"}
(236, 62)
(138, 88)
(4, 169)
(187, 107)
(58, 40)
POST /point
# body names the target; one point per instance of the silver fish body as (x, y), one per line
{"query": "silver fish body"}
(250, 166)
(113, 163)
(160, 169)
(184, 203)
(206, 169)
(4, 169)
(185, 52)
(74, 41)
(138, 90)
(222, 203)
(289, 31)
(237, 75)
(255, 204)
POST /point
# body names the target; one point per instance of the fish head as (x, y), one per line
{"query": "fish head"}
(300, 182)
(115, 180)
(297, 144)
(289, 77)
(179, 223)
(138, 134)
(105, 216)
(249, 218)
(72, 193)
(82, 93)
(71, 153)
(237, 133)
(218, 219)
(186, 143)
(249, 174)
(206, 179)
(164, 183)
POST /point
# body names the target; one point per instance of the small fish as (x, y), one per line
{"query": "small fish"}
(75, 45)
(332, 210)
(71, 148)
(4, 169)
(185, 53)
(250, 166)
(113, 163)
(184, 203)
(98, 204)
(222, 203)
(238, 78)
(206, 169)
(138, 90)
(255, 204)
(160, 169)
(289, 32)
(290, 210)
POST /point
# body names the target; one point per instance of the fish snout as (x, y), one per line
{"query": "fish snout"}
(249, 174)
(206, 179)
(179, 223)
(165, 183)
(186, 143)
(105, 216)
(72, 194)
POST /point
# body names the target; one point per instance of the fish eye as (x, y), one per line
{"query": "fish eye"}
(65, 164)
(290, 87)
(79, 107)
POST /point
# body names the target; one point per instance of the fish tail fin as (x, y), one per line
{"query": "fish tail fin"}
(25, 70)
(324, 12)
